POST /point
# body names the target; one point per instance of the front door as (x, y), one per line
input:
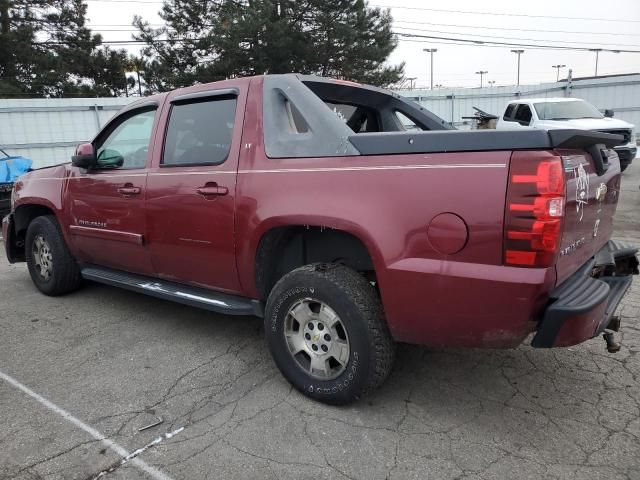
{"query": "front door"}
(191, 190)
(106, 203)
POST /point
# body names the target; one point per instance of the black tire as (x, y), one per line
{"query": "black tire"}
(623, 166)
(356, 302)
(64, 276)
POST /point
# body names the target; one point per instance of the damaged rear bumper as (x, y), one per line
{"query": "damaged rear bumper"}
(583, 305)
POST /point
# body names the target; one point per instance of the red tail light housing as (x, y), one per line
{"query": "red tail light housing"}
(534, 210)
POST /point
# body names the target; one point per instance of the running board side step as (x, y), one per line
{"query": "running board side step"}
(175, 292)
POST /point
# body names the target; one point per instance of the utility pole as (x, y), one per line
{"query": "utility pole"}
(558, 67)
(431, 51)
(481, 73)
(597, 50)
(518, 52)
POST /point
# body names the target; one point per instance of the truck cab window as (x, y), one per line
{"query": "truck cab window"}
(199, 133)
(128, 143)
(523, 114)
(508, 113)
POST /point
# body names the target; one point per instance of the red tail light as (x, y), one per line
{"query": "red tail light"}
(535, 209)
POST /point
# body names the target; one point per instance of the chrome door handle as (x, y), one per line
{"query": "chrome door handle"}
(212, 189)
(129, 189)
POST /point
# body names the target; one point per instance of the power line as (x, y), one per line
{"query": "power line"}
(491, 13)
(404, 35)
(583, 32)
(509, 44)
(514, 38)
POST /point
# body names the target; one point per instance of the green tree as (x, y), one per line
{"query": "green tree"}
(46, 49)
(207, 41)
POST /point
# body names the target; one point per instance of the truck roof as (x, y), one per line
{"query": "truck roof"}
(548, 99)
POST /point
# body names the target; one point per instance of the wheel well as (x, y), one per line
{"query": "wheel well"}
(22, 217)
(284, 249)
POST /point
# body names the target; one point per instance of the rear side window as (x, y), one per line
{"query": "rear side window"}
(523, 114)
(508, 113)
(406, 122)
(199, 133)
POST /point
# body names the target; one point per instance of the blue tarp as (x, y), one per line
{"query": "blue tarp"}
(11, 168)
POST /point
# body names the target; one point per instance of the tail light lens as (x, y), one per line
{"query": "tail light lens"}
(534, 210)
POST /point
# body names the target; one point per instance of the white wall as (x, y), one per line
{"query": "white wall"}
(47, 130)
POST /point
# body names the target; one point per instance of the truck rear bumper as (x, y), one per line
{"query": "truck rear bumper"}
(583, 305)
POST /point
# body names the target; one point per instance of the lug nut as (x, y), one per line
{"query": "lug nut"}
(314, 347)
(310, 326)
(325, 348)
(320, 326)
(327, 337)
(307, 336)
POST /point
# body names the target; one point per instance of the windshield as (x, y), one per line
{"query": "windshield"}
(566, 110)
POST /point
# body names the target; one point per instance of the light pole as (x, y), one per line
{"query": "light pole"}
(431, 51)
(558, 67)
(491, 83)
(597, 50)
(518, 52)
(411, 80)
(481, 73)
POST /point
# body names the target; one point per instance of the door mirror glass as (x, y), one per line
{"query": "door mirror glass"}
(608, 113)
(109, 158)
(85, 156)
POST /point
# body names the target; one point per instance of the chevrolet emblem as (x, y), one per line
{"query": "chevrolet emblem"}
(601, 192)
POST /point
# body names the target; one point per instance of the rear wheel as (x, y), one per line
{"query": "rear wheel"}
(326, 331)
(51, 266)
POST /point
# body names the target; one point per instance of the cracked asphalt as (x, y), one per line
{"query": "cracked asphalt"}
(116, 361)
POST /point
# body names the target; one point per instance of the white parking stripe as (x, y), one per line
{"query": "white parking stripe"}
(151, 471)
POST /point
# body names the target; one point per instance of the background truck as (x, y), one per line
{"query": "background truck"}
(11, 167)
(306, 201)
(563, 113)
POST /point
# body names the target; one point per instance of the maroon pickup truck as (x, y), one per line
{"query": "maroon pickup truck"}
(346, 216)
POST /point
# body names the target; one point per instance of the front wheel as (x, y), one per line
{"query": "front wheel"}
(326, 331)
(52, 268)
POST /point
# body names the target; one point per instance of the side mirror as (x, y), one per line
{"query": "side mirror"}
(608, 113)
(85, 156)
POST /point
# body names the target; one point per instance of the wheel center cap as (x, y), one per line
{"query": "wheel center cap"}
(316, 337)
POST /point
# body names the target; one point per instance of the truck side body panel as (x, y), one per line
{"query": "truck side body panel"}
(430, 297)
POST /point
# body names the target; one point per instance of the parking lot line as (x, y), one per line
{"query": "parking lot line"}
(148, 469)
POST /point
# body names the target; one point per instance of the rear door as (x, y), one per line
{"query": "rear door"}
(191, 189)
(590, 206)
(106, 204)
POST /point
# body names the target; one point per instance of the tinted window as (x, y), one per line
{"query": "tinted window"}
(128, 144)
(523, 114)
(509, 112)
(200, 132)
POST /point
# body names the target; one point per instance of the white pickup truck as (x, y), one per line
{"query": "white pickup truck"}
(562, 113)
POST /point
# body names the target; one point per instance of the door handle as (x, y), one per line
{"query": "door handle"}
(212, 189)
(129, 189)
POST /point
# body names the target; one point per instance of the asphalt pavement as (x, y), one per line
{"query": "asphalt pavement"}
(81, 375)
